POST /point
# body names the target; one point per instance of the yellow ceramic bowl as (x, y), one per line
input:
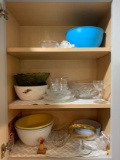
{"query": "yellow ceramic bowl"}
(35, 121)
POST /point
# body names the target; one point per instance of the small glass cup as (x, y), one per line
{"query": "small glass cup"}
(59, 84)
(54, 84)
(63, 83)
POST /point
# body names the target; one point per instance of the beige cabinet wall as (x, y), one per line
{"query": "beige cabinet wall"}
(73, 69)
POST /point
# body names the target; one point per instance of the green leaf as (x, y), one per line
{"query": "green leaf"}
(31, 79)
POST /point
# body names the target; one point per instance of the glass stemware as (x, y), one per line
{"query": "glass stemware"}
(82, 132)
(99, 85)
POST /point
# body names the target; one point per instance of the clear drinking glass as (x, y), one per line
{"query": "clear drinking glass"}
(99, 85)
(59, 84)
(63, 83)
(54, 84)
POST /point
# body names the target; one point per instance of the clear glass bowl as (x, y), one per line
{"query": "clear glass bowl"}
(83, 90)
(49, 44)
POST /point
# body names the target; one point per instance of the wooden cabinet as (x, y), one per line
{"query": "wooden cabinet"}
(31, 22)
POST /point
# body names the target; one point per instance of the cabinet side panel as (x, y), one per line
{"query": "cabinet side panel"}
(115, 100)
(13, 32)
(13, 67)
(103, 116)
(105, 23)
(104, 73)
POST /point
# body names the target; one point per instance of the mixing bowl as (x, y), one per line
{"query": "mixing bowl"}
(85, 36)
(31, 128)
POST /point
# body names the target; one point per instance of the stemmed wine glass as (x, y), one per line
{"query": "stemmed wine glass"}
(99, 85)
(82, 132)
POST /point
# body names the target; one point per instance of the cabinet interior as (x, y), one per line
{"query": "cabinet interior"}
(30, 23)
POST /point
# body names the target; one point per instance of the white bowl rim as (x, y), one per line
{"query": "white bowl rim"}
(38, 129)
(32, 115)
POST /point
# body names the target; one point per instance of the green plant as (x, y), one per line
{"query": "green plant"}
(31, 79)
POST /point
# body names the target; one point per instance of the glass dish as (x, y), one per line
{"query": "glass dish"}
(58, 98)
(90, 122)
(83, 90)
(49, 44)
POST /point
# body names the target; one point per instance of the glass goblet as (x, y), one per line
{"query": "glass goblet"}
(82, 132)
(99, 86)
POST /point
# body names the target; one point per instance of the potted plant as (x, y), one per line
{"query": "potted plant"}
(30, 86)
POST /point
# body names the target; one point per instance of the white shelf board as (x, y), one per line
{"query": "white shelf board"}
(58, 53)
(22, 151)
(43, 104)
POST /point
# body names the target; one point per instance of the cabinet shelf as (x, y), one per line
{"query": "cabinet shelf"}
(22, 151)
(42, 104)
(58, 53)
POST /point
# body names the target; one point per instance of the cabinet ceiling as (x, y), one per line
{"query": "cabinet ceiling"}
(58, 13)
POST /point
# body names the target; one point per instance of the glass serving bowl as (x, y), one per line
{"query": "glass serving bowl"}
(83, 90)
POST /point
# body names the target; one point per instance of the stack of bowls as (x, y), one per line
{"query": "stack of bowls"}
(32, 128)
(58, 91)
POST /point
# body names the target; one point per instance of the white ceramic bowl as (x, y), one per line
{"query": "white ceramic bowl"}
(31, 137)
(87, 132)
(30, 93)
(33, 127)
